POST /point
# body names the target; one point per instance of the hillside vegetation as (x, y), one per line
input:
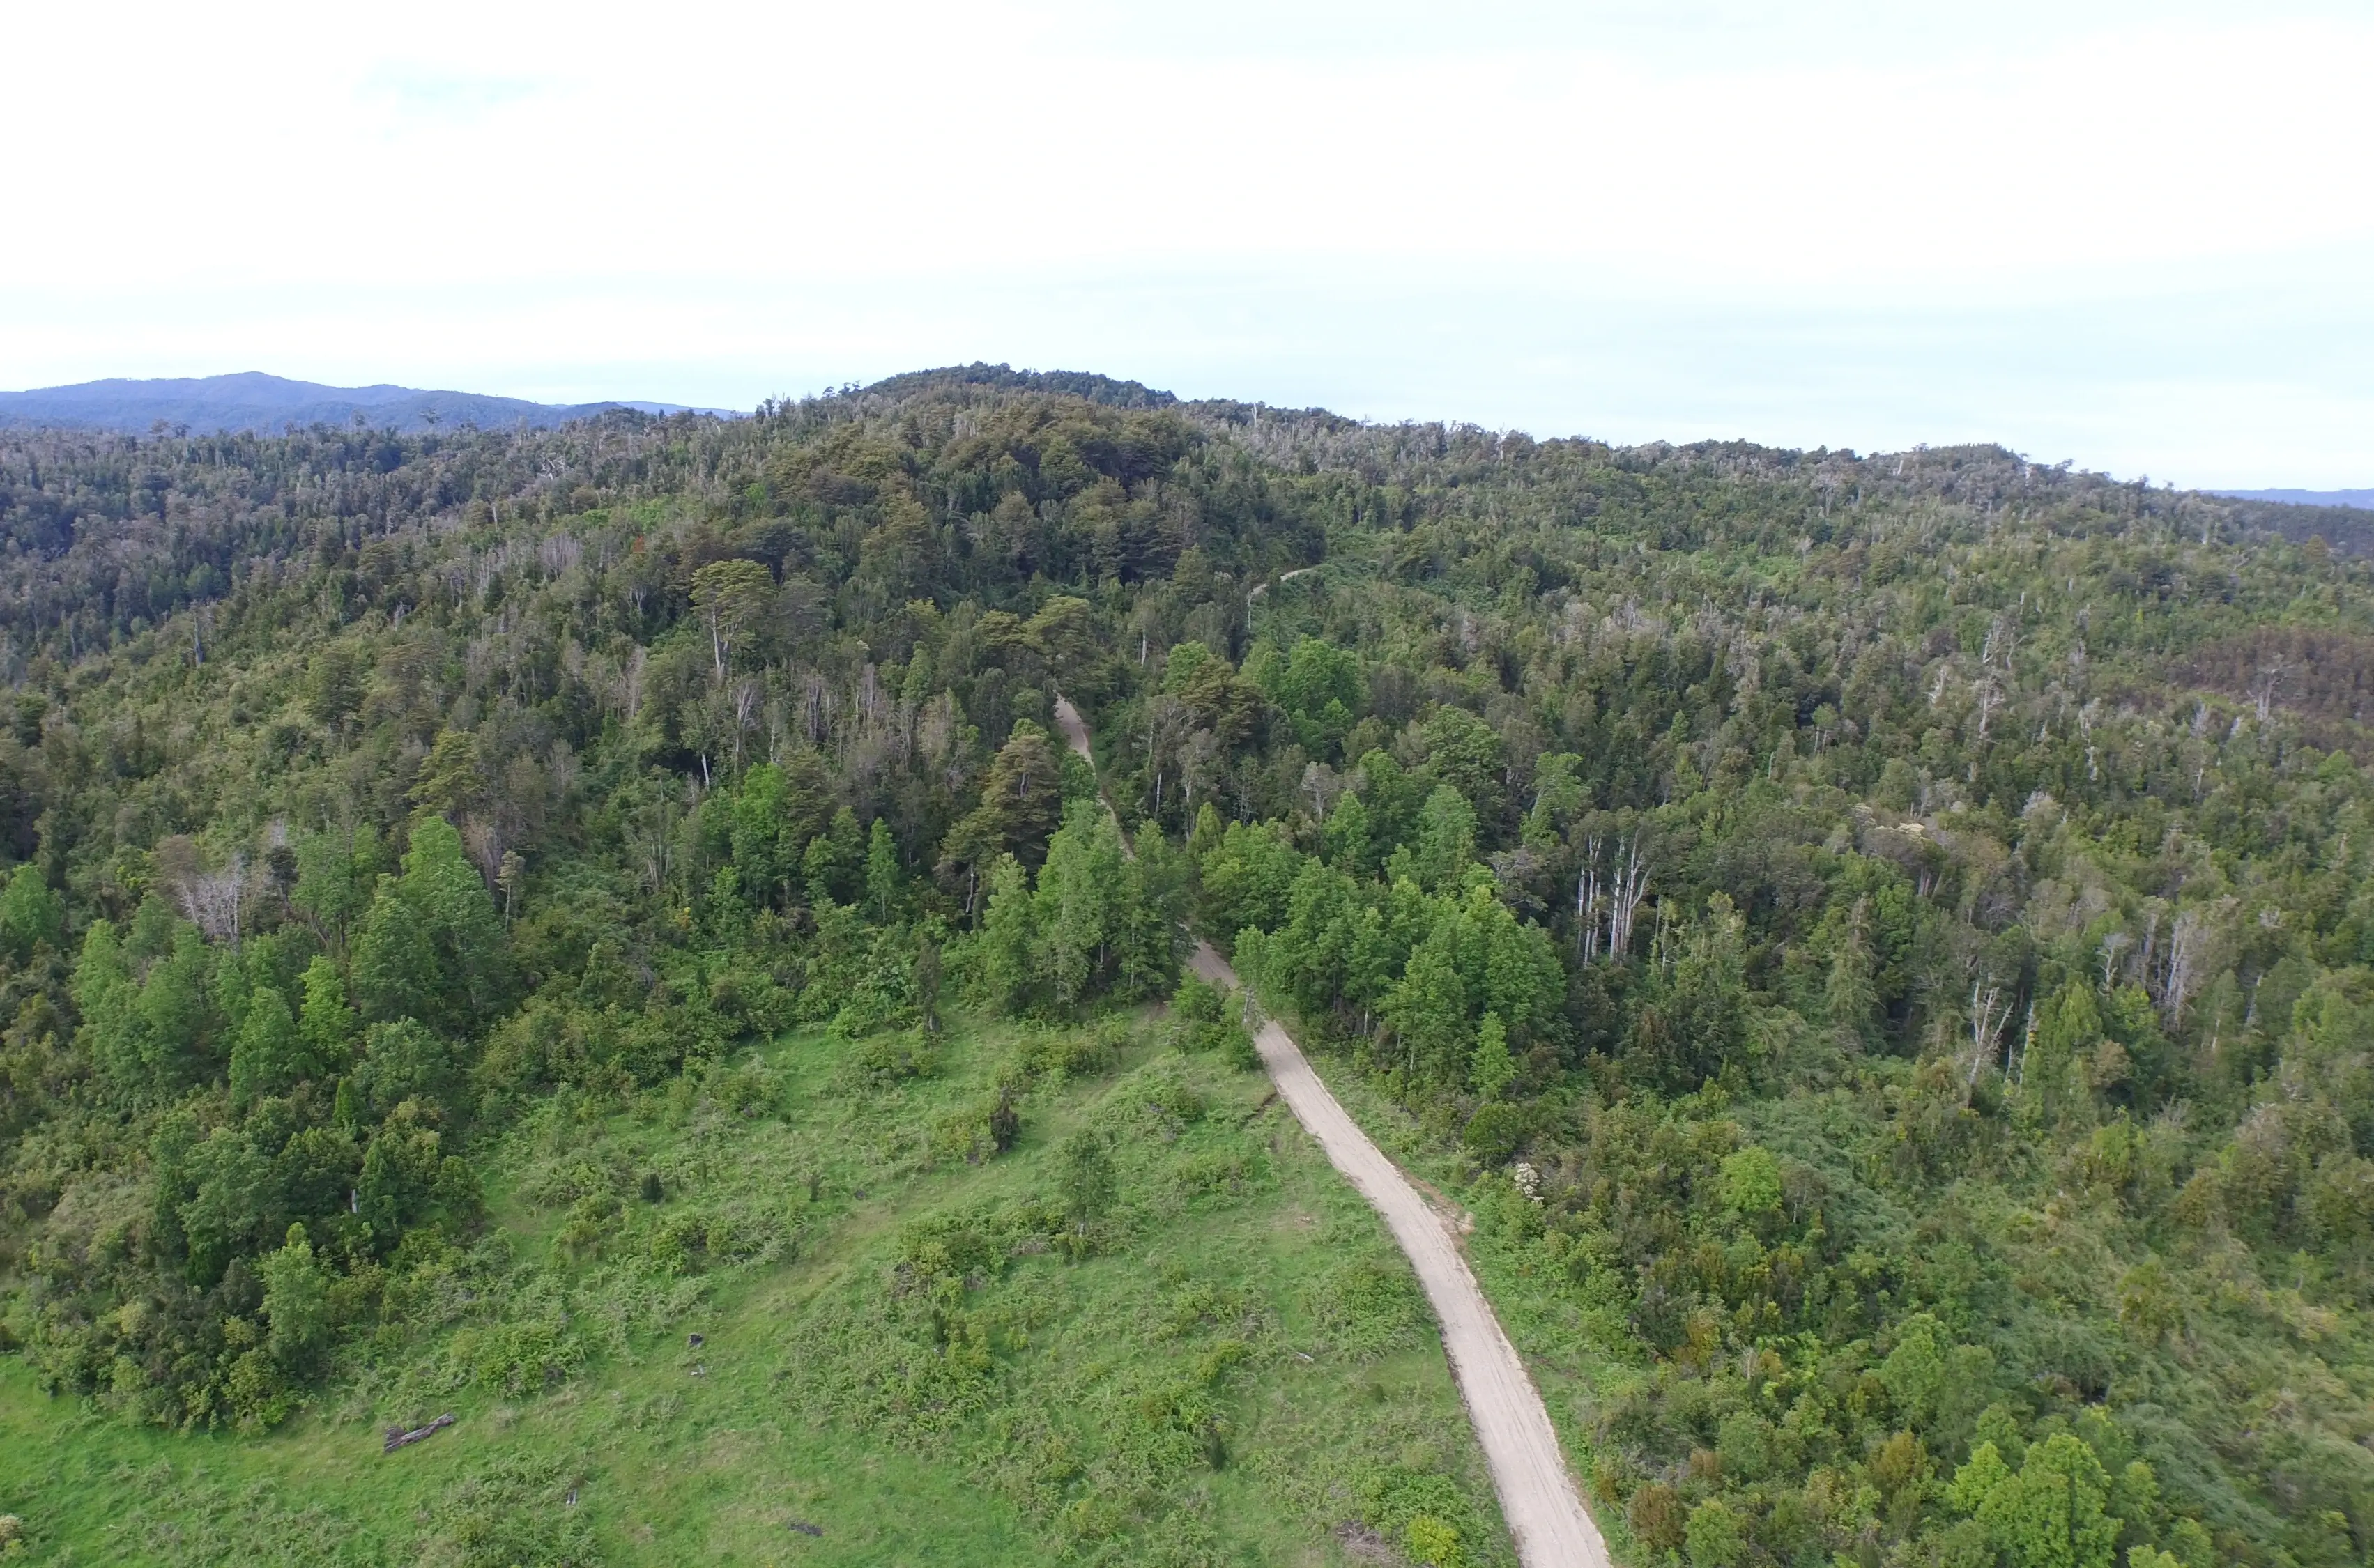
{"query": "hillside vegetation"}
(1881, 944)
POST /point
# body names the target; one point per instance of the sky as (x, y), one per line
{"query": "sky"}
(2136, 236)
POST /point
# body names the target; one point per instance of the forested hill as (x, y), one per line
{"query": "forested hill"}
(1888, 936)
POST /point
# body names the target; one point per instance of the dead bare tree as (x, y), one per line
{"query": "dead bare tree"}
(2116, 943)
(1324, 785)
(1990, 697)
(1586, 902)
(1168, 722)
(2187, 941)
(1988, 1013)
(1626, 889)
(215, 900)
(2266, 684)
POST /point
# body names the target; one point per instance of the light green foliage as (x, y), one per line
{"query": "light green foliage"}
(1492, 1070)
(1078, 891)
(1715, 1537)
(333, 879)
(1006, 953)
(1914, 1373)
(883, 880)
(328, 1024)
(1751, 1182)
(1446, 840)
(432, 946)
(2068, 1028)
(269, 1055)
(30, 913)
(295, 1302)
(1316, 686)
(1085, 1177)
(1428, 1007)
(2050, 1513)
(1430, 1540)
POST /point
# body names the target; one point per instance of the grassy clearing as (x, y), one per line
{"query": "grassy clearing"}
(920, 1348)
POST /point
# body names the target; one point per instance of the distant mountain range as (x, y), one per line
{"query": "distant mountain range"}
(2363, 499)
(252, 400)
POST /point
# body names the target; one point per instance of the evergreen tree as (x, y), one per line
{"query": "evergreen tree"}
(1427, 1010)
(328, 1024)
(1492, 1068)
(1007, 956)
(30, 914)
(882, 878)
(296, 1303)
(432, 947)
(269, 1055)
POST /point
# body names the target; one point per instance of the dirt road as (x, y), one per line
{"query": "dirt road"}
(1537, 1497)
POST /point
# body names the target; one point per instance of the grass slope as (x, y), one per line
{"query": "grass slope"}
(926, 1358)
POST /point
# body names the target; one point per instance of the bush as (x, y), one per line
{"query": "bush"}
(512, 1514)
(884, 1060)
(1196, 1002)
(1496, 1132)
(1070, 1054)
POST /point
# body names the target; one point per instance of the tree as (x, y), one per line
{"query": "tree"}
(1446, 840)
(1493, 1069)
(328, 1024)
(927, 984)
(1080, 890)
(177, 1009)
(433, 947)
(1021, 805)
(1154, 885)
(1085, 1176)
(1714, 1536)
(1695, 1020)
(333, 880)
(229, 1203)
(296, 1303)
(2067, 1028)
(1427, 1010)
(1464, 753)
(1249, 872)
(113, 1029)
(1850, 997)
(1008, 961)
(730, 596)
(2050, 1514)
(269, 1056)
(1751, 1182)
(1345, 837)
(452, 780)
(883, 881)
(30, 913)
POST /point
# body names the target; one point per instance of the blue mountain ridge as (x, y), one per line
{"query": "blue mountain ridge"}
(253, 400)
(2362, 500)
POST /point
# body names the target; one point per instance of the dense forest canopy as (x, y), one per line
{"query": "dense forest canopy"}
(1888, 935)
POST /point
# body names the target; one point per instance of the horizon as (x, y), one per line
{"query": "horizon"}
(1834, 224)
(2306, 495)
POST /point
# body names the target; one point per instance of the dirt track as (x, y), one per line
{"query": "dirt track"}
(1537, 1497)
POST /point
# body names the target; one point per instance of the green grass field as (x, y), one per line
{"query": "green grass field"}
(913, 1349)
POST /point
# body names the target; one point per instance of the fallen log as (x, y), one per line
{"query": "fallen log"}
(399, 1438)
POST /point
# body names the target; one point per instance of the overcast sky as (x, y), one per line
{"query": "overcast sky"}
(2140, 235)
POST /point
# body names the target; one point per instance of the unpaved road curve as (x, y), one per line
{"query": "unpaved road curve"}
(1537, 1497)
